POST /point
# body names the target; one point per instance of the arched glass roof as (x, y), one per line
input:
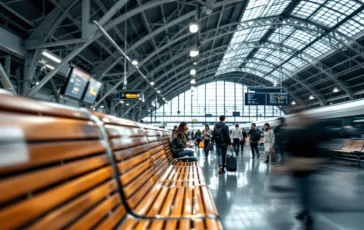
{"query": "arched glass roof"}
(322, 21)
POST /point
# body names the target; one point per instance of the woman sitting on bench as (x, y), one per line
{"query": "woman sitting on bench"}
(180, 145)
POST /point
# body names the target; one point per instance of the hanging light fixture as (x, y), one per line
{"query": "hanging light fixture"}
(194, 26)
(335, 90)
(127, 104)
(134, 62)
(293, 102)
(195, 63)
(311, 97)
(275, 83)
(152, 83)
(121, 102)
(193, 71)
(194, 52)
(193, 81)
(158, 91)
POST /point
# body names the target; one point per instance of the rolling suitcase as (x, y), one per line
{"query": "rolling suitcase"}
(231, 164)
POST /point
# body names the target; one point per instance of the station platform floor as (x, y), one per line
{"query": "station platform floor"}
(252, 198)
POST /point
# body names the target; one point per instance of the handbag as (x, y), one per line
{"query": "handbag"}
(211, 145)
(201, 145)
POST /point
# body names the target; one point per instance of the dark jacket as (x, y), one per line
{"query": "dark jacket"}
(198, 135)
(178, 144)
(225, 133)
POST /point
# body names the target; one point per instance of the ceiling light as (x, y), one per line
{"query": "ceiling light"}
(164, 98)
(194, 52)
(121, 102)
(158, 91)
(193, 81)
(311, 97)
(275, 83)
(152, 83)
(293, 102)
(134, 62)
(194, 27)
(49, 67)
(127, 104)
(335, 90)
(37, 83)
(195, 63)
(193, 71)
(101, 106)
(51, 56)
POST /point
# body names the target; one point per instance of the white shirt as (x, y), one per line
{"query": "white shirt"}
(236, 134)
(269, 136)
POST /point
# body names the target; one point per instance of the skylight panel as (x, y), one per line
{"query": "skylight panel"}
(313, 52)
(257, 33)
(353, 26)
(252, 71)
(334, 11)
(289, 67)
(297, 62)
(306, 8)
(284, 33)
(299, 39)
(264, 8)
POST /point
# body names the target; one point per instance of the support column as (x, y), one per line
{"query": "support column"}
(85, 18)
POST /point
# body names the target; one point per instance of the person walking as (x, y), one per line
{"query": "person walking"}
(243, 140)
(237, 137)
(254, 137)
(198, 137)
(269, 143)
(221, 136)
(206, 134)
(278, 144)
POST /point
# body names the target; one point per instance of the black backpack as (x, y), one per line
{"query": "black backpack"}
(218, 135)
(256, 135)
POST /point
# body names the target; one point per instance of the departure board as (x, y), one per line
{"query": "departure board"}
(277, 99)
(131, 95)
(76, 83)
(92, 91)
(255, 98)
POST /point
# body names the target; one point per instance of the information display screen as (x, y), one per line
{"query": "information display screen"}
(277, 99)
(208, 115)
(76, 83)
(236, 114)
(255, 98)
(93, 89)
(130, 95)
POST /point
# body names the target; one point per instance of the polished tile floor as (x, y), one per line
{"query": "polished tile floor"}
(252, 198)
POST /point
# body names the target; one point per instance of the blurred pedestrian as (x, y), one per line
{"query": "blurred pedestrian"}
(198, 137)
(206, 134)
(237, 137)
(221, 136)
(243, 140)
(254, 137)
(269, 143)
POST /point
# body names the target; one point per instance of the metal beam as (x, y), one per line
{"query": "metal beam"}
(85, 18)
(32, 44)
(5, 80)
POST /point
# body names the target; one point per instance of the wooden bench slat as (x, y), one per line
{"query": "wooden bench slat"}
(62, 216)
(123, 143)
(36, 128)
(113, 220)
(97, 214)
(45, 153)
(120, 131)
(33, 181)
(18, 214)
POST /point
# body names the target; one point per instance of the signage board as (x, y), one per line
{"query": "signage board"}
(255, 98)
(131, 95)
(277, 99)
(236, 114)
(265, 90)
(92, 90)
(194, 120)
(76, 83)
(208, 115)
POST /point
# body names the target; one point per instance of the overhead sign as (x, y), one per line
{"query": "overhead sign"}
(277, 99)
(236, 114)
(208, 115)
(131, 95)
(255, 98)
(266, 99)
(76, 83)
(265, 90)
(92, 91)
(194, 120)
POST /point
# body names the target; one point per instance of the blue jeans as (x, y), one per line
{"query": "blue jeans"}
(221, 150)
(186, 153)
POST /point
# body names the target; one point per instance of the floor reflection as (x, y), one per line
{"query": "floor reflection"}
(252, 198)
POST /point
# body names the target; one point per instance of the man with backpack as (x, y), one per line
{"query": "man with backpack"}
(221, 136)
(254, 137)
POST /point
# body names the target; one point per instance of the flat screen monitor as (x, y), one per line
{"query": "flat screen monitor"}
(76, 83)
(92, 90)
(277, 99)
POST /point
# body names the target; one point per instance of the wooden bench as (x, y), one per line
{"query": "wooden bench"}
(66, 168)
(351, 147)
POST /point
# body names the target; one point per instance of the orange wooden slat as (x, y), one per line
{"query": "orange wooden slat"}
(21, 212)
(96, 214)
(112, 220)
(30, 182)
(62, 216)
